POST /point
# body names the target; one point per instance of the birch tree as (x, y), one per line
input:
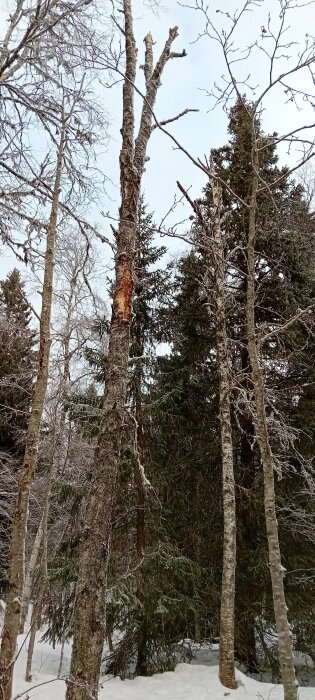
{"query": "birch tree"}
(17, 563)
(279, 76)
(89, 612)
(213, 249)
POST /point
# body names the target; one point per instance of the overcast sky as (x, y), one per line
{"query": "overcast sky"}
(186, 84)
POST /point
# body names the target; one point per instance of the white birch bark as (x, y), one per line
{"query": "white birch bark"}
(213, 245)
(261, 427)
(19, 527)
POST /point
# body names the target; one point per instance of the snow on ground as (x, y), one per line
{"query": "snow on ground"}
(188, 682)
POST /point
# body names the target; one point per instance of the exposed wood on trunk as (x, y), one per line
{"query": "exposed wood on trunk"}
(89, 610)
(19, 527)
(262, 435)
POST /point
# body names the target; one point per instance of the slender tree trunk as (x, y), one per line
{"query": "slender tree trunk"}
(55, 464)
(261, 428)
(19, 527)
(31, 569)
(214, 252)
(62, 653)
(139, 438)
(139, 475)
(226, 657)
(89, 610)
(141, 666)
(35, 625)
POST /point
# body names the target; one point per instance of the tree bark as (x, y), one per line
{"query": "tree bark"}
(212, 243)
(261, 428)
(19, 527)
(89, 609)
(35, 625)
(31, 573)
(58, 435)
(226, 655)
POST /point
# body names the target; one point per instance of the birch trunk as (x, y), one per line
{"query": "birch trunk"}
(31, 569)
(35, 625)
(262, 435)
(55, 464)
(19, 527)
(215, 258)
(226, 656)
(89, 609)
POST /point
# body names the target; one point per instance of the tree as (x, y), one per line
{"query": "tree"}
(45, 49)
(135, 519)
(89, 612)
(17, 364)
(19, 526)
(211, 239)
(17, 367)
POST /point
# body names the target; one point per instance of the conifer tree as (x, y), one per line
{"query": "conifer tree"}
(17, 359)
(17, 367)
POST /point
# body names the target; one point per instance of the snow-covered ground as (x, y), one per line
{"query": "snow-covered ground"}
(188, 682)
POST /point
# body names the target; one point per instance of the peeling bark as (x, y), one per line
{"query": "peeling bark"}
(19, 527)
(89, 609)
(262, 436)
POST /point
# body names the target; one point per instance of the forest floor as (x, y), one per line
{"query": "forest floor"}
(187, 682)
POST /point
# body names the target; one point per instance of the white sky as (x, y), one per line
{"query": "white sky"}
(184, 84)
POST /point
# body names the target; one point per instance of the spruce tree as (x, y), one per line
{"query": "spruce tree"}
(285, 283)
(17, 364)
(285, 273)
(17, 359)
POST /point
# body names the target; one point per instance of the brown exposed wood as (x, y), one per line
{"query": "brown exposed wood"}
(123, 293)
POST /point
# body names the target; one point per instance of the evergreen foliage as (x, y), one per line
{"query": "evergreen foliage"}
(17, 368)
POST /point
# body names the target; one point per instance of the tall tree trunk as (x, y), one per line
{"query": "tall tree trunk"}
(58, 436)
(89, 609)
(141, 665)
(30, 573)
(54, 468)
(35, 625)
(226, 656)
(262, 435)
(212, 243)
(19, 527)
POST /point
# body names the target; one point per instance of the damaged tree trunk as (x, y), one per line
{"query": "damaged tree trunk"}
(261, 428)
(89, 609)
(16, 576)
